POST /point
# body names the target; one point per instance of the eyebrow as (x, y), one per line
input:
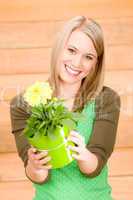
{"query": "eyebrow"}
(78, 50)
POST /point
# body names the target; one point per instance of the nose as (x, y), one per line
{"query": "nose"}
(77, 61)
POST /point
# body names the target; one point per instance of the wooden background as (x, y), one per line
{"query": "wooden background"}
(27, 30)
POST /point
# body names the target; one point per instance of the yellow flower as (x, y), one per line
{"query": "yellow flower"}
(38, 93)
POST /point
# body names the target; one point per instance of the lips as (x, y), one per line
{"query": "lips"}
(72, 71)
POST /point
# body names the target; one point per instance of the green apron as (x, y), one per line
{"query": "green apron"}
(68, 183)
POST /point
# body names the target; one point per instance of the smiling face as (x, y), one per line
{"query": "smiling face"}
(77, 59)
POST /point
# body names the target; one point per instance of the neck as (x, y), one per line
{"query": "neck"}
(68, 91)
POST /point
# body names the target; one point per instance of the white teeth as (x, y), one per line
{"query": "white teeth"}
(70, 70)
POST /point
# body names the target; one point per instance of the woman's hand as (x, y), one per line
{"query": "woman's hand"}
(86, 160)
(37, 166)
(80, 150)
(38, 160)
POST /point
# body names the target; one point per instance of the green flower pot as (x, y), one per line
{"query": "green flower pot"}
(56, 146)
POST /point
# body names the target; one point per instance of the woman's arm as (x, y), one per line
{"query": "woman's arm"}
(93, 157)
(103, 138)
(19, 113)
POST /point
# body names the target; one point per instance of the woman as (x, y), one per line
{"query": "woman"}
(77, 75)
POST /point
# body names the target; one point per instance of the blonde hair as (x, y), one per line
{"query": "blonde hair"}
(92, 84)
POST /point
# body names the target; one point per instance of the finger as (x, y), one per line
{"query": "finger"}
(46, 167)
(34, 150)
(77, 134)
(39, 163)
(76, 140)
(76, 156)
(40, 155)
(31, 151)
(73, 148)
(45, 160)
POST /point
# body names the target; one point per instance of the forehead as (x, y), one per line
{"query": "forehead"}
(81, 41)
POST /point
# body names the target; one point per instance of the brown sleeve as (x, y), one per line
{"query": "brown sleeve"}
(103, 138)
(19, 113)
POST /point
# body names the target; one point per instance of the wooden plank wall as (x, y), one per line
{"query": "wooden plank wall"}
(27, 30)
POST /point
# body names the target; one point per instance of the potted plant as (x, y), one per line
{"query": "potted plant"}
(49, 124)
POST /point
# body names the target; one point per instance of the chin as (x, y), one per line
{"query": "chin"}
(67, 80)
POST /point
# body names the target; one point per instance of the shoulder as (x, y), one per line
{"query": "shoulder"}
(107, 96)
(18, 105)
(107, 103)
(16, 99)
(19, 113)
(108, 93)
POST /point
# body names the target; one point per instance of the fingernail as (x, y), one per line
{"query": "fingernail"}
(45, 153)
(34, 150)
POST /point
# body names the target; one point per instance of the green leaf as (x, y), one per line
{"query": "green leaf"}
(41, 125)
(45, 118)
(28, 132)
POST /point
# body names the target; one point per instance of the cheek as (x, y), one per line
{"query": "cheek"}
(65, 55)
(89, 68)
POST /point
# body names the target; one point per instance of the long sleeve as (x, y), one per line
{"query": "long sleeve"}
(19, 113)
(103, 138)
